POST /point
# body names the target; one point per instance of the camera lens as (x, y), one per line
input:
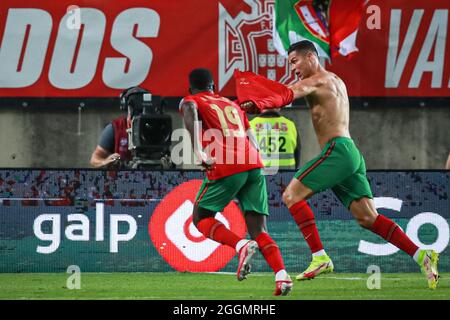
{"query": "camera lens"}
(154, 132)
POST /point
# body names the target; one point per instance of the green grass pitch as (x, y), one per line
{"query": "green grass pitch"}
(211, 286)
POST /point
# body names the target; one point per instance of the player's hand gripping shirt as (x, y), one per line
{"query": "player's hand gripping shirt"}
(223, 135)
(264, 93)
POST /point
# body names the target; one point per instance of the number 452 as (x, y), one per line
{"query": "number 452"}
(272, 144)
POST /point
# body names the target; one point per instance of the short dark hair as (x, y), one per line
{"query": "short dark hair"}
(303, 46)
(201, 79)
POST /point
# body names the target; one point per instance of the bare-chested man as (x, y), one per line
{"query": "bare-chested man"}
(340, 166)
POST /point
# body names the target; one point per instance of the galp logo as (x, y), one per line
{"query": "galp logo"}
(179, 242)
(245, 43)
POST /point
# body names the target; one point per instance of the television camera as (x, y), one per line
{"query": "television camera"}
(149, 137)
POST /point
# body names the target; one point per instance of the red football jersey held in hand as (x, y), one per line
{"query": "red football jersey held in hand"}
(224, 135)
(264, 93)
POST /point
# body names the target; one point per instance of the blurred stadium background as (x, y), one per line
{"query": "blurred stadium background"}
(62, 69)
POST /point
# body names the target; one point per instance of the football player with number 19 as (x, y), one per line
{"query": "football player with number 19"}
(233, 170)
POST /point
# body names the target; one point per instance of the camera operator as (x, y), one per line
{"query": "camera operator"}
(112, 150)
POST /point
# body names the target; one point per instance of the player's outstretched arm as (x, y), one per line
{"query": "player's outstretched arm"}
(256, 93)
(305, 87)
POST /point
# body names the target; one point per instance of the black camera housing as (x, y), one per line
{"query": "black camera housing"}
(150, 135)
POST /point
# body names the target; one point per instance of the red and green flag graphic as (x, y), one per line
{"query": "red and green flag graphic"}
(331, 25)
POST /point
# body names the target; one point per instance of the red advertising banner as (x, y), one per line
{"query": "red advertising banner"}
(407, 54)
(97, 48)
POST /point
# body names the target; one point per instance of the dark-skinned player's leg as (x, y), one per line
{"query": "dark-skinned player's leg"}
(212, 228)
(254, 202)
(213, 197)
(257, 229)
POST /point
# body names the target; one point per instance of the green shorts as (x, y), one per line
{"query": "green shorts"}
(249, 187)
(341, 167)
